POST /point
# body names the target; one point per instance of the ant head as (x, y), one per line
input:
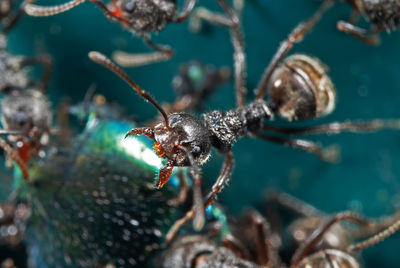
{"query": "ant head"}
(186, 135)
(300, 89)
(144, 15)
(329, 258)
(25, 111)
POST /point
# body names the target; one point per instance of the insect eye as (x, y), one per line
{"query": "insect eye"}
(130, 6)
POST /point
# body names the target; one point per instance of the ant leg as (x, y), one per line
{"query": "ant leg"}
(222, 179)
(318, 234)
(162, 53)
(183, 189)
(10, 24)
(338, 127)
(388, 231)
(370, 37)
(329, 154)
(295, 36)
(165, 173)
(232, 21)
(13, 155)
(292, 203)
(47, 66)
(189, 5)
(44, 11)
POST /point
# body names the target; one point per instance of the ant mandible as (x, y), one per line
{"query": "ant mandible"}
(142, 17)
(299, 89)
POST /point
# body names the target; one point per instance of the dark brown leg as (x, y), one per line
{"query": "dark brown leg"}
(184, 188)
(318, 234)
(46, 62)
(390, 230)
(161, 53)
(295, 36)
(329, 154)
(10, 24)
(187, 9)
(370, 37)
(338, 127)
(223, 178)
(295, 205)
(231, 20)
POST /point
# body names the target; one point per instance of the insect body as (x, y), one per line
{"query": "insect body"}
(384, 15)
(299, 89)
(140, 16)
(25, 110)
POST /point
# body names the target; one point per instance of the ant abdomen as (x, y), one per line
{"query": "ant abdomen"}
(300, 89)
(186, 132)
(329, 258)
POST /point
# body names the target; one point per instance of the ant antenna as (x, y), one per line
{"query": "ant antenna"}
(382, 235)
(45, 11)
(106, 62)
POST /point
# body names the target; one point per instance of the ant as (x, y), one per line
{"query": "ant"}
(26, 115)
(384, 15)
(299, 89)
(321, 240)
(142, 17)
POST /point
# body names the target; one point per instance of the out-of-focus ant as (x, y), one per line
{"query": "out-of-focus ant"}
(142, 17)
(384, 15)
(26, 115)
(321, 240)
(299, 89)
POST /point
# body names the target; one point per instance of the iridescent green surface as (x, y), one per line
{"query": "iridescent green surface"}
(95, 204)
(367, 81)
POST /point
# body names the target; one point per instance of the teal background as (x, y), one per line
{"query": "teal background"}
(367, 80)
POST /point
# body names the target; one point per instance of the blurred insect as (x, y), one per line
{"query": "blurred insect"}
(299, 89)
(194, 84)
(142, 17)
(243, 243)
(25, 110)
(384, 15)
(321, 240)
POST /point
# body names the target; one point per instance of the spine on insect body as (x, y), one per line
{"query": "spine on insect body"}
(227, 127)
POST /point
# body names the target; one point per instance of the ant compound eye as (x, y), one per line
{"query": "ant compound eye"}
(300, 89)
(130, 6)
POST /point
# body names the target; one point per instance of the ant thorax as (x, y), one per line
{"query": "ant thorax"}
(144, 16)
(28, 111)
(385, 14)
(227, 127)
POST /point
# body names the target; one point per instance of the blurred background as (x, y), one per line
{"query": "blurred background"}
(367, 78)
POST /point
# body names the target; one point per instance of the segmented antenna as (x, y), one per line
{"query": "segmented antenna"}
(106, 62)
(45, 11)
(382, 235)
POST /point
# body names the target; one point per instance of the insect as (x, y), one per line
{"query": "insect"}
(142, 17)
(299, 89)
(384, 15)
(81, 199)
(25, 110)
(321, 240)
(243, 243)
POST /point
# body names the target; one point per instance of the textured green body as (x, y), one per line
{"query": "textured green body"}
(95, 203)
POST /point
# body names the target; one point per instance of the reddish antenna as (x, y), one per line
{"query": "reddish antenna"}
(106, 62)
